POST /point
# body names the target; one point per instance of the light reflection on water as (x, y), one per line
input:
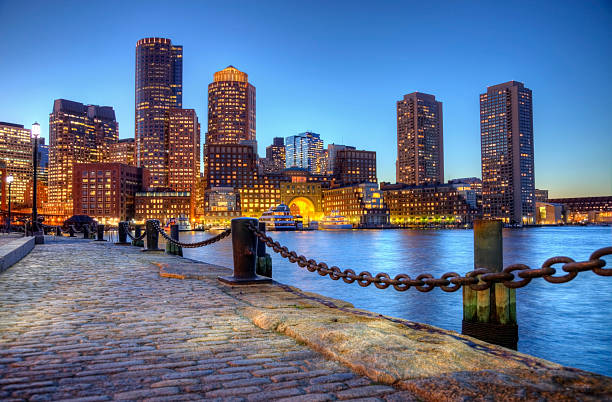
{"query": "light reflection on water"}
(570, 323)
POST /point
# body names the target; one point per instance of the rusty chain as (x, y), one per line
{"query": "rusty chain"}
(202, 243)
(479, 279)
(130, 235)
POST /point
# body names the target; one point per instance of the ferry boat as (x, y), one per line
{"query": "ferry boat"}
(182, 222)
(334, 221)
(278, 218)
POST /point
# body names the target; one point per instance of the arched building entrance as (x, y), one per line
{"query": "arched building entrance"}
(303, 199)
(304, 207)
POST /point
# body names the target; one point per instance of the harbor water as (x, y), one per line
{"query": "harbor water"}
(570, 324)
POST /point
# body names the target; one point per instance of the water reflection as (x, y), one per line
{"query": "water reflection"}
(566, 323)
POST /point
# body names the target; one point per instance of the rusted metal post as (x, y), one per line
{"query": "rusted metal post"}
(122, 234)
(490, 314)
(100, 233)
(172, 248)
(85, 231)
(244, 245)
(152, 237)
(264, 261)
(58, 231)
(71, 231)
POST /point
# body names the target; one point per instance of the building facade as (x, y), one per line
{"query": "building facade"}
(362, 204)
(353, 166)
(420, 151)
(275, 156)
(123, 152)
(586, 209)
(230, 165)
(304, 199)
(16, 154)
(231, 108)
(428, 205)
(162, 205)
(77, 134)
(183, 133)
(541, 195)
(303, 150)
(506, 139)
(106, 190)
(159, 87)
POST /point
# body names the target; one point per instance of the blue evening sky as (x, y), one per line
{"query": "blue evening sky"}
(337, 68)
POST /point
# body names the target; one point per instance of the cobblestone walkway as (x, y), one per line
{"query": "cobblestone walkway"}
(93, 321)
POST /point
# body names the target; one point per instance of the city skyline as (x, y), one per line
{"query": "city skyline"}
(557, 141)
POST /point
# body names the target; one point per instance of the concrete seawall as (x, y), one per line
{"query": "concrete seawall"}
(14, 250)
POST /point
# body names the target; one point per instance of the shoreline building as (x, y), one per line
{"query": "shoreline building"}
(231, 108)
(16, 153)
(354, 166)
(506, 140)
(362, 204)
(78, 133)
(420, 151)
(275, 156)
(159, 88)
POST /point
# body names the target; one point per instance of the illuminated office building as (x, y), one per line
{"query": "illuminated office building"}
(16, 154)
(230, 165)
(77, 134)
(275, 156)
(586, 209)
(506, 140)
(231, 108)
(420, 153)
(352, 166)
(106, 191)
(430, 204)
(162, 205)
(304, 151)
(159, 88)
(123, 152)
(362, 204)
(183, 132)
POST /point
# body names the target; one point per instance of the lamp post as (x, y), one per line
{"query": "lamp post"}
(35, 134)
(9, 180)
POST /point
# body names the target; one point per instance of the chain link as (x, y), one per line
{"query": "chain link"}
(479, 279)
(130, 235)
(203, 243)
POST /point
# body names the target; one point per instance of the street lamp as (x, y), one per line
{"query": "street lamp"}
(9, 180)
(35, 134)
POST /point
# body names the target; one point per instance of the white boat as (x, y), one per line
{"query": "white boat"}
(334, 221)
(278, 218)
(183, 224)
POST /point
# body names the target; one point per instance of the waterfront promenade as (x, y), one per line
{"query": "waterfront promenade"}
(93, 321)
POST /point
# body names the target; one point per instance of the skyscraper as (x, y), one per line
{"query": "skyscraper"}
(77, 134)
(231, 108)
(159, 87)
(275, 155)
(16, 152)
(506, 140)
(123, 152)
(303, 150)
(183, 133)
(420, 153)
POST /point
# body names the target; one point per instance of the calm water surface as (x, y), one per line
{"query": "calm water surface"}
(570, 323)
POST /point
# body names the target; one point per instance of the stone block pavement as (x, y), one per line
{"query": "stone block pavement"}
(92, 321)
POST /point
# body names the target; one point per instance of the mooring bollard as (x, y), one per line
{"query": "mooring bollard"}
(58, 231)
(137, 234)
(152, 236)
(172, 248)
(85, 231)
(71, 231)
(244, 246)
(264, 261)
(122, 233)
(490, 314)
(100, 233)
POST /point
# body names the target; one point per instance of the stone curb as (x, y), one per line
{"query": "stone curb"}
(13, 251)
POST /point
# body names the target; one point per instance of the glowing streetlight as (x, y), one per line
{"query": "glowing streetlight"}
(35, 135)
(9, 180)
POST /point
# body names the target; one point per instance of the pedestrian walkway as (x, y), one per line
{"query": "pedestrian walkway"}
(92, 321)
(95, 321)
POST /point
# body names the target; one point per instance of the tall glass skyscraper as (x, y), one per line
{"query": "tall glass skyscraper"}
(506, 140)
(231, 108)
(159, 88)
(303, 150)
(420, 151)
